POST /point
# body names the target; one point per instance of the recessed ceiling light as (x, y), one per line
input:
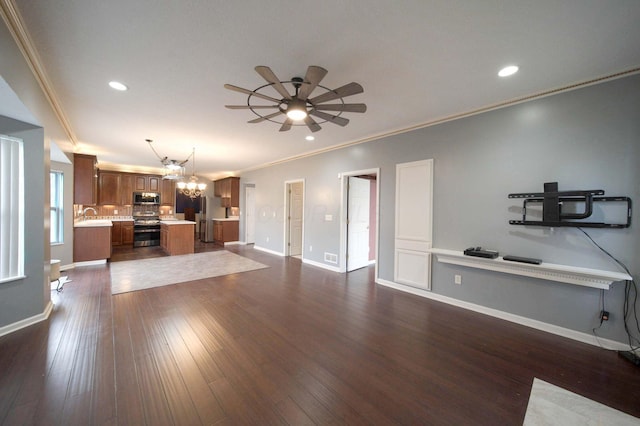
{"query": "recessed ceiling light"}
(310, 138)
(507, 71)
(117, 86)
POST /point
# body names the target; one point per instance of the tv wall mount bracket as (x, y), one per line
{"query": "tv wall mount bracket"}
(552, 201)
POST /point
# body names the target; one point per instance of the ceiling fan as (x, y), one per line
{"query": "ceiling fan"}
(298, 108)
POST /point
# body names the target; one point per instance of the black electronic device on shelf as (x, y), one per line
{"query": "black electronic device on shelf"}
(552, 203)
(480, 252)
(521, 259)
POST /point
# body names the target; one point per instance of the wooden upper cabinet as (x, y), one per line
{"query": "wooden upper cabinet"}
(140, 183)
(147, 183)
(85, 179)
(228, 189)
(154, 183)
(168, 193)
(126, 189)
(109, 185)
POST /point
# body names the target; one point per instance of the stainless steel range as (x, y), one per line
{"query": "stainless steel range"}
(146, 228)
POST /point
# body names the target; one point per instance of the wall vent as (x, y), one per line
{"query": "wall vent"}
(330, 257)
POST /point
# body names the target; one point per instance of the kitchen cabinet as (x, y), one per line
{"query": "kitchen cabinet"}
(127, 233)
(126, 189)
(147, 183)
(109, 188)
(91, 243)
(225, 231)
(168, 193)
(85, 179)
(228, 189)
(178, 237)
(122, 233)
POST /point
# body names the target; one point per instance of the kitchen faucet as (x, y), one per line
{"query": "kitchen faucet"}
(84, 212)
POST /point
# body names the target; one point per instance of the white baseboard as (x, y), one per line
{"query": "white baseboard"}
(234, 243)
(321, 265)
(528, 322)
(27, 321)
(266, 250)
(66, 267)
(90, 263)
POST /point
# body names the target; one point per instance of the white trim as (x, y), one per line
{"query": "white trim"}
(546, 271)
(67, 267)
(321, 265)
(266, 250)
(527, 322)
(90, 263)
(19, 325)
(234, 243)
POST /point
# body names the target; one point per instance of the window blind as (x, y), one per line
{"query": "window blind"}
(57, 212)
(11, 209)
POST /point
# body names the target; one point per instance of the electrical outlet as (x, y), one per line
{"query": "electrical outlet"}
(267, 239)
(310, 248)
(115, 212)
(457, 279)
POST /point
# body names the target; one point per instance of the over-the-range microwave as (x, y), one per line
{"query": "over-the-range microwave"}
(146, 198)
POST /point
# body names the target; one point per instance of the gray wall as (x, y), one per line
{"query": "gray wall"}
(583, 139)
(23, 299)
(64, 252)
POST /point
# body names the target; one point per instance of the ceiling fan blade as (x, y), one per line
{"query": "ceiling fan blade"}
(267, 74)
(286, 125)
(342, 107)
(250, 106)
(340, 121)
(250, 92)
(265, 117)
(313, 77)
(311, 124)
(340, 92)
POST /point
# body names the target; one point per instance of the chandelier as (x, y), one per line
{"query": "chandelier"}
(192, 188)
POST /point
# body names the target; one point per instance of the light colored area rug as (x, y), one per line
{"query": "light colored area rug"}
(133, 275)
(551, 405)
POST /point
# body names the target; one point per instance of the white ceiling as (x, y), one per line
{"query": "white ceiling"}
(419, 61)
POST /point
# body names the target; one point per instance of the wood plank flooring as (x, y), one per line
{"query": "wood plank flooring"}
(290, 344)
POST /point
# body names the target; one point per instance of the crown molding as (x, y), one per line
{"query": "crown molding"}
(16, 27)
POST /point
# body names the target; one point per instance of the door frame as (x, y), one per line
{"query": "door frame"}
(249, 188)
(286, 247)
(344, 202)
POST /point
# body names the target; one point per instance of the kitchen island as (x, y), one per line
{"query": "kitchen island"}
(92, 241)
(177, 236)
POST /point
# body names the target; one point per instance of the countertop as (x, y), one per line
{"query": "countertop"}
(92, 223)
(176, 222)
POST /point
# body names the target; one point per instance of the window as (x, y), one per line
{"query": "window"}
(57, 216)
(11, 209)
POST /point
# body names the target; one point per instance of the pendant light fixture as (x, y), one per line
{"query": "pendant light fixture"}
(192, 188)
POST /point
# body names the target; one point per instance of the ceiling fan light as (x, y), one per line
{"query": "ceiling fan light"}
(296, 110)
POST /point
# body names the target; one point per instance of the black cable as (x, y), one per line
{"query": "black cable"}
(626, 309)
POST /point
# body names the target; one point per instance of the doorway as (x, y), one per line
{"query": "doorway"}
(294, 218)
(250, 214)
(359, 219)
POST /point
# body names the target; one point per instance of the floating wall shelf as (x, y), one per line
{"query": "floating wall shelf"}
(547, 271)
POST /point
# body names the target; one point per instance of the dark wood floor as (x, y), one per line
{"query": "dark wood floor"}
(290, 344)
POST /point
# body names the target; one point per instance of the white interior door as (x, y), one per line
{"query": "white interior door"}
(250, 214)
(358, 223)
(414, 212)
(296, 195)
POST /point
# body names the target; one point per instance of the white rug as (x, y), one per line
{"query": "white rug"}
(133, 275)
(551, 405)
